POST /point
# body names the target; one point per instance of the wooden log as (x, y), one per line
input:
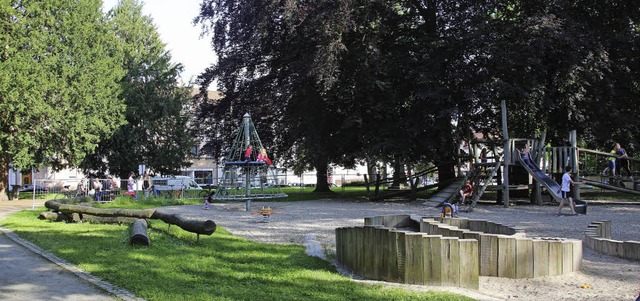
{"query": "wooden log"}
(53, 216)
(139, 233)
(186, 223)
(108, 219)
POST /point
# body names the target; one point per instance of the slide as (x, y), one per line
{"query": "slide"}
(542, 178)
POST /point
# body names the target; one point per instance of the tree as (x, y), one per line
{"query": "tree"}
(278, 61)
(58, 83)
(158, 129)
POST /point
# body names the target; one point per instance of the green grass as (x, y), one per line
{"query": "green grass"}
(218, 267)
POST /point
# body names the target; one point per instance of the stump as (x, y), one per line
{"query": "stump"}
(139, 233)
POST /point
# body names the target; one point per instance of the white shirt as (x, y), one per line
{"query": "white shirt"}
(566, 182)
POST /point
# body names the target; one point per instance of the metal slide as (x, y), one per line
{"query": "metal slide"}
(552, 187)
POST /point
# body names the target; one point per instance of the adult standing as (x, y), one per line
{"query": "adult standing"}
(146, 183)
(621, 161)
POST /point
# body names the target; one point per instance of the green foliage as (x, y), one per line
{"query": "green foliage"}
(58, 82)
(158, 131)
(218, 267)
(391, 80)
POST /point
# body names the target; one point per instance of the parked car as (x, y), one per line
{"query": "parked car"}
(29, 188)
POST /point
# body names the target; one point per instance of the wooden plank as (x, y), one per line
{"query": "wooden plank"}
(567, 257)
(428, 258)
(506, 256)
(524, 258)
(395, 257)
(489, 255)
(414, 264)
(450, 254)
(555, 258)
(436, 260)
(540, 258)
(469, 264)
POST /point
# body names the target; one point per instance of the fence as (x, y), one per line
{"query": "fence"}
(102, 190)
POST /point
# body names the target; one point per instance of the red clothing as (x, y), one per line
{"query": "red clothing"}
(467, 189)
(247, 153)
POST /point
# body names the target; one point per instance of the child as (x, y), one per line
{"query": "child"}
(466, 191)
(247, 153)
(565, 191)
(207, 203)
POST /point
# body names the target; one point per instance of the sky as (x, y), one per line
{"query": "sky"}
(174, 22)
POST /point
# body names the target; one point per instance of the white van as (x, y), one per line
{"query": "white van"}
(174, 183)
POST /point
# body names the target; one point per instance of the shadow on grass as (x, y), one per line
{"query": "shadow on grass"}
(217, 267)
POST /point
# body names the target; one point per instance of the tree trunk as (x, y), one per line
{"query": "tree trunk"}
(53, 216)
(4, 181)
(188, 224)
(399, 177)
(139, 233)
(322, 184)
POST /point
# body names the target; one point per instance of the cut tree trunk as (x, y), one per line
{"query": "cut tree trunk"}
(53, 216)
(139, 233)
(186, 223)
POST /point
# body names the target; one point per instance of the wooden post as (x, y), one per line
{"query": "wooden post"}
(507, 156)
(574, 161)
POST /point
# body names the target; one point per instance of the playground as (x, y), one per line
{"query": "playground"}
(523, 195)
(314, 222)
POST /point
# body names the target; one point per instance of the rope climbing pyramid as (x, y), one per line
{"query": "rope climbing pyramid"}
(248, 172)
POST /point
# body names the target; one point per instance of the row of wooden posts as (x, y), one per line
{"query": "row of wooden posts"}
(439, 253)
(598, 238)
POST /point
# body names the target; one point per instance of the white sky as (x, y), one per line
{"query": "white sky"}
(174, 22)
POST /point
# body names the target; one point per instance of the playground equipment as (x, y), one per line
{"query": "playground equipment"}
(247, 179)
(266, 212)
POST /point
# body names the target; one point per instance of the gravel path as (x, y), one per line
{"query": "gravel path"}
(314, 222)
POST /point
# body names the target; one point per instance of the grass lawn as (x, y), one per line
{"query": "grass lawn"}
(218, 267)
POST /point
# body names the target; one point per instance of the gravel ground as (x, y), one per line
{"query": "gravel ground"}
(313, 222)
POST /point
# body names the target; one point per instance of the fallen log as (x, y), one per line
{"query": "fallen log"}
(139, 233)
(108, 219)
(186, 223)
(64, 208)
(53, 216)
(207, 227)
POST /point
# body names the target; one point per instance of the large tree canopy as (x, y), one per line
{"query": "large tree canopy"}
(59, 69)
(338, 81)
(157, 132)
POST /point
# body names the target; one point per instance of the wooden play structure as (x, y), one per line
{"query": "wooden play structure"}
(450, 251)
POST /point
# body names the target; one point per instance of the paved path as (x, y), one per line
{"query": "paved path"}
(26, 274)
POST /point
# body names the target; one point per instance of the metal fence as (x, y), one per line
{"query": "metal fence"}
(50, 189)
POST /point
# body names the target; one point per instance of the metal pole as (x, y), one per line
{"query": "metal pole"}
(507, 156)
(246, 121)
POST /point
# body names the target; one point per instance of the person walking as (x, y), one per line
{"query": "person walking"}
(565, 191)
